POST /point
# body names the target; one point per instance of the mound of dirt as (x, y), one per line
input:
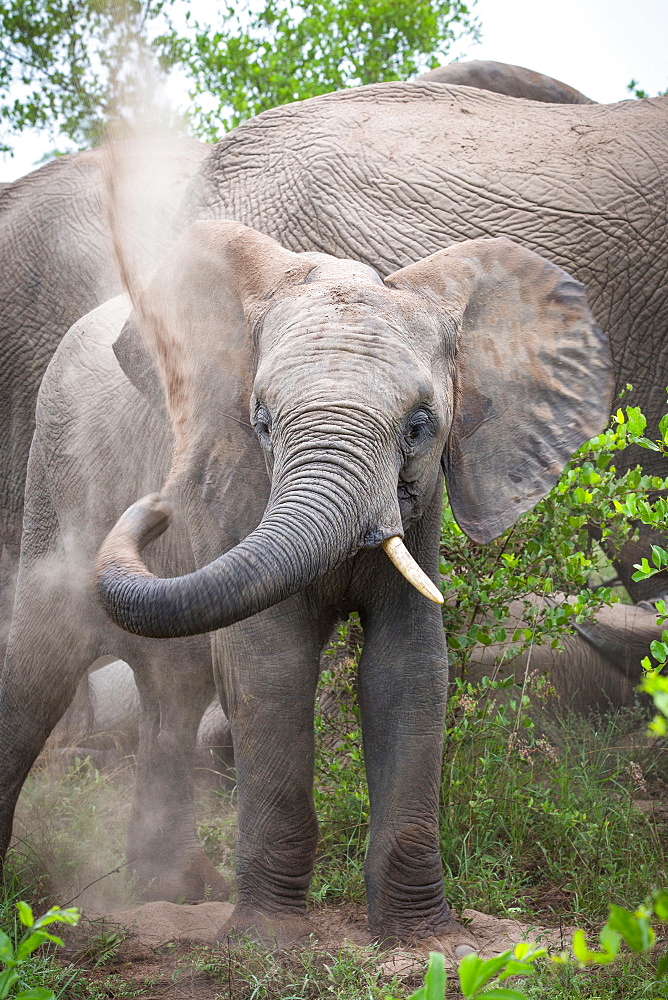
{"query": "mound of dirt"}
(153, 925)
(156, 924)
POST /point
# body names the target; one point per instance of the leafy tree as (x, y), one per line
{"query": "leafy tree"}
(64, 64)
(68, 67)
(636, 90)
(284, 50)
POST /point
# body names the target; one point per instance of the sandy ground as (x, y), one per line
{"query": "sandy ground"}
(157, 941)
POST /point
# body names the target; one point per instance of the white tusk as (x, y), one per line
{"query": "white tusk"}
(403, 560)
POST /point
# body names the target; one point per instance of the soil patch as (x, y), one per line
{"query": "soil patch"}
(165, 950)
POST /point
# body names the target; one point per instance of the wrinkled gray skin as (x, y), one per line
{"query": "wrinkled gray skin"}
(326, 402)
(597, 667)
(389, 173)
(57, 264)
(504, 78)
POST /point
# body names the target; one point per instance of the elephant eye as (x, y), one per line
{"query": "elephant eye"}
(418, 427)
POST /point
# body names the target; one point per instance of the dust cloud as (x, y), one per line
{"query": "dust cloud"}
(145, 160)
(71, 821)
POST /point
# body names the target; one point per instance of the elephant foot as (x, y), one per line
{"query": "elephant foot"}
(272, 931)
(451, 939)
(199, 881)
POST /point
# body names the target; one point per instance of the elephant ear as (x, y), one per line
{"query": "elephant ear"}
(532, 376)
(138, 363)
(189, 345)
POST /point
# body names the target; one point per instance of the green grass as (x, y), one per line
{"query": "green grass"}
(538, 821)
(631, 978)
(545, 823)
(247, 973)
(534, 821)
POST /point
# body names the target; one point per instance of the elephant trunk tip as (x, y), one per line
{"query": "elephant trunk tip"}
(144, 521)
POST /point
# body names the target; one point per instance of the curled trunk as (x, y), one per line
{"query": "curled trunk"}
(307, 530)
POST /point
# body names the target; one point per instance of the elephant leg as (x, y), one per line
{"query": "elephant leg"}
(8, 572)
(268, 669)
(175, 684)
(48, 651)
(403, 678)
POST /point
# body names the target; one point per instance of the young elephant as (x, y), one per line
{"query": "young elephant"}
(314, 407)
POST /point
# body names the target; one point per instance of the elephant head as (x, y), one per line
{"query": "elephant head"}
(482, 359)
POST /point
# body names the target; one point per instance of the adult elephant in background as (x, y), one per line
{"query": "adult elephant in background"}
(504, 78)
(320, 404)
(57, 264)
(389, 173)
(595, 669)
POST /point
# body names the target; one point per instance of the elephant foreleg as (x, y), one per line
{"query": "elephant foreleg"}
(47, 654)
(269, 670)
(403, 680)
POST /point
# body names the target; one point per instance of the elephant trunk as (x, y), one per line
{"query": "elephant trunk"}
(314, 521)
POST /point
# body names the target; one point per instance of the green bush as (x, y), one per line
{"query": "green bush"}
(16, 956)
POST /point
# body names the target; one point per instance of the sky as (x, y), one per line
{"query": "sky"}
(597, 46)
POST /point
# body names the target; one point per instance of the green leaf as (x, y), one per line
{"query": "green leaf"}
(634, 928)
(435, 979)
(7, 979)
(25, 914)
(528, 951)
(6, 949)
(468, 971)
(475, 972)
(587, 956)
(29, 944)
(36, 993)
(70, 916)
(636, 421)
(659, 556)
(659, 650)
(644, 570)
(660, 902)
(610, 940)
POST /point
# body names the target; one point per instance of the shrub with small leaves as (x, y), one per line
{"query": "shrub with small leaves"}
(35, 936)
(556, 551)
(480, 979)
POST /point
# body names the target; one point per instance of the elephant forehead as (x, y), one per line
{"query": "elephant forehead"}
(344, 382)
(365, 320)
(330, 349)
